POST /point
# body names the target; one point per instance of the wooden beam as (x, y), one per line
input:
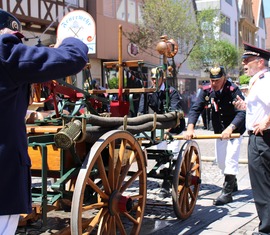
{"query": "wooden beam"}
(125, 90)
(131, 63)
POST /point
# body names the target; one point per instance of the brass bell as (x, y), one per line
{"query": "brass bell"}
(162, 48)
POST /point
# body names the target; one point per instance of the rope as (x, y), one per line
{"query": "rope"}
(154, 121)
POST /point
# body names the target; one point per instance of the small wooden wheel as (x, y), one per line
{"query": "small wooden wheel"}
(186, 180)
(110, 191)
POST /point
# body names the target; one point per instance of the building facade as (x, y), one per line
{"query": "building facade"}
(259, 17)
(229, 10)
(40, 20)
(244, 21)
(267, 23)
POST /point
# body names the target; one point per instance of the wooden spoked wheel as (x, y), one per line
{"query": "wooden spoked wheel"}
(110, 191)
(186, 180)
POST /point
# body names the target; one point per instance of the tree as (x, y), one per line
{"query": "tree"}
(244, 79)
(219, 52)
(165, 17)
(197, 33)
(210, 49)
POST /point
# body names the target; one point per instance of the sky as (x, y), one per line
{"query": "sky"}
(266, 4)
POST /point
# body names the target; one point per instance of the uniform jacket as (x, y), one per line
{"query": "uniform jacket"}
(157, 102)
(20, 66)
(223, 112)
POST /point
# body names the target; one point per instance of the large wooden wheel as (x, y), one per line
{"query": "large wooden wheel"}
(110, 191)
(186, 180)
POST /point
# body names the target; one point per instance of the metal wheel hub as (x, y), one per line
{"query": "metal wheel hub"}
(191, 180)
(119, 203)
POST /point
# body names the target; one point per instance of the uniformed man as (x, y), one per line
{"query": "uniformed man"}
(157, 102)
(20, 66)
(257, 105)
(226, 119)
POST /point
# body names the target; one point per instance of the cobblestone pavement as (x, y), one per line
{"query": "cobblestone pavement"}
(235, 218)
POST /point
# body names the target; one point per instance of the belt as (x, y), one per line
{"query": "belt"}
(266, 132)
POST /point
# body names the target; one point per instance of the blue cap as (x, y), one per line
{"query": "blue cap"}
(9, 21)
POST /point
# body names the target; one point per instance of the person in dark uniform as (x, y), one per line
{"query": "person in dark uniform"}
(157, 100)
(21, 66)
(157, 103)
(226, 119)
(206, 111)
(257, 105)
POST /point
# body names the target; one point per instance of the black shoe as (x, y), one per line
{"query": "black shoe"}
(235, 188)
(226, 194)
(165, 189)
(223, 199)
(164, 193)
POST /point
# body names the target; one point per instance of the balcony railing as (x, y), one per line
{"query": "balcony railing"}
(38, 15)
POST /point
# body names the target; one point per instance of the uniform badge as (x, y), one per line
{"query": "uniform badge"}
(215, 71)
(206, 98)
(14, 25)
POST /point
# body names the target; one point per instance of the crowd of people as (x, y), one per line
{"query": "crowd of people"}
(238, 109)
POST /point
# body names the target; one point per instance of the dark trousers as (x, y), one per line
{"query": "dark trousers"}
(259, 171)
(206, 118)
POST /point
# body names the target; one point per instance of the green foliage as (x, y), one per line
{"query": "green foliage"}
(244, 79)
(197, 33)
(165, 17)
(113, 82)
(219, 52)
(210, 49)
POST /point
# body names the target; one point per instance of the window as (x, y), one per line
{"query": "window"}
(226, 26)
(257, 41)
(229, 1)
(140, 19)
(132, 11)
(109, 8)
(235, 32)
(121, 10)
(249, 37)
(74, 3)
(261, 21)
(263, 43)
(125, 10)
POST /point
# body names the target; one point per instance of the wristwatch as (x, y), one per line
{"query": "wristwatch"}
(232, 126)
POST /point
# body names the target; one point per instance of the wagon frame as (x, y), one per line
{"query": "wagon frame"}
(100, 167)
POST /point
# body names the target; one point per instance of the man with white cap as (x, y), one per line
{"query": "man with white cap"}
(21, 65)
(257, 105)
(244, 89)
